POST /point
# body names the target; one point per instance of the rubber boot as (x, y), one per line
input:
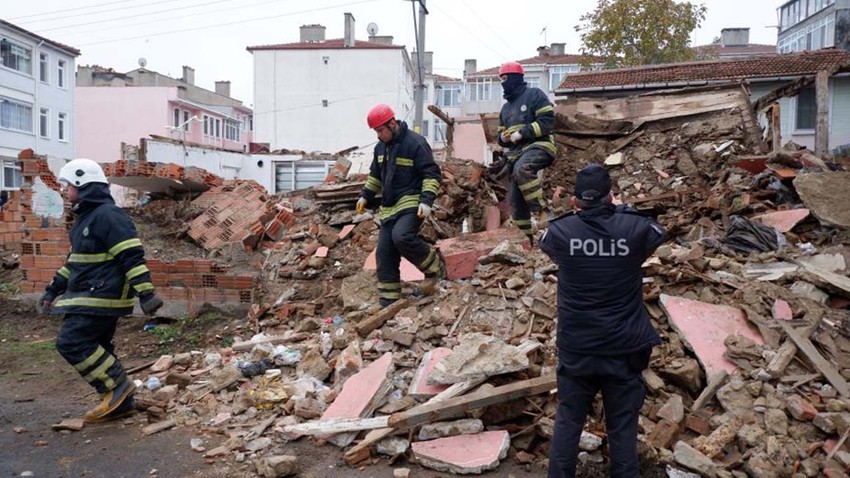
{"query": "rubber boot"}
(112, 401)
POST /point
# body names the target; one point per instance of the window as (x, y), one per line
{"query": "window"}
(806, 109)
(62, 130)
(15, 56)
(44, 67)
(60, 74)
(44, 123)
(533, 81)
(217, 128)
(186, 118)
(15, 115)
(176, 117)
(11, 175)
(483, 90)
(231, 129)
(206, 125)
(426, 93)
(558, 73)
(448, 95)
(817, 35)
(439, 131)
(248, 122)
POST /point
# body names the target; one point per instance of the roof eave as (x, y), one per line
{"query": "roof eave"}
(674, 84)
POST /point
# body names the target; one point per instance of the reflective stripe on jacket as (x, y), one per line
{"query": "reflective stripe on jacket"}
(532, 114)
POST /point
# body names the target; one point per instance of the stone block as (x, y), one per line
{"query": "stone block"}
(800, 408)
(463, 454)
(448, 429)
(461, 253)
(690, 458)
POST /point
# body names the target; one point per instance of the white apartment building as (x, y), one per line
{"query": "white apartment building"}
(36, 99)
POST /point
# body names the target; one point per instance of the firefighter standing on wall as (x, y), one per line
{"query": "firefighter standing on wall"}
(605, 337)
(403, 171)
(104, 272)
(525, 129)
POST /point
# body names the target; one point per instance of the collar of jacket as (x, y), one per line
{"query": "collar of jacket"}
(596, 211)
(402, 132)
(91, 196)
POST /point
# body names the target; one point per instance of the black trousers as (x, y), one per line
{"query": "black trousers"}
(85, 342)
(399, 237)
(580, 377)
(525, 193)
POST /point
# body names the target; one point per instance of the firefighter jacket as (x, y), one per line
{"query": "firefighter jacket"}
(531, 113)
(403, 171)
(106, 267)
(599, 252)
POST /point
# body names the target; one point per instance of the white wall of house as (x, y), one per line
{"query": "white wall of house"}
(24, 96)
(317, 100)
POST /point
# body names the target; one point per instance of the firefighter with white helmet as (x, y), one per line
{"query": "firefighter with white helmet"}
(98, 284)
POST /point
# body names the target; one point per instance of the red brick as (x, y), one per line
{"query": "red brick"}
(494, 218)
(663, 434)
(800, 408)
(461, 253)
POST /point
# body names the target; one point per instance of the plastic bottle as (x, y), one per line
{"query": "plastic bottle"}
(153, 383)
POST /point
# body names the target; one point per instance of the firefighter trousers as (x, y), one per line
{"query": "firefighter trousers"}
(580, 377)
(526, 191)
(399, 237)
(85, 342)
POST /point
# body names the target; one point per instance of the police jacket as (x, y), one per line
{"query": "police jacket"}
(531, 113)
(404, 172)
(106, 266)
(599, 252)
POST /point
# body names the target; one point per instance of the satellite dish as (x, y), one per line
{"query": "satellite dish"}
(142, 62)
(372, 28)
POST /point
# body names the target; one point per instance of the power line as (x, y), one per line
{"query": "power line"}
(227, 23)
(70, 9)
(477, 17)
(168, 10)
(463, 27)
(38, 20)
(159, 20)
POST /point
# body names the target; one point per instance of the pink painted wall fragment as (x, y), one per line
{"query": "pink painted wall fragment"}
(783, 221)
(409, 272)
(419, 387)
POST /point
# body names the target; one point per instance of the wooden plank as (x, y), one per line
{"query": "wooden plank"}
(337, 425)
(783, 91)
(776, 127)
(822, 124)
(822, 365)
(159, 426)
(379, 319)
(787, 351)
(435, 412)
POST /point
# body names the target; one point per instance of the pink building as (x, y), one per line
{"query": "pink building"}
(117, 107)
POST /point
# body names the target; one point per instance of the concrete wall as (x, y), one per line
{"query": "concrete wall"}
(27, 88)
(107, 117)
(290, 86)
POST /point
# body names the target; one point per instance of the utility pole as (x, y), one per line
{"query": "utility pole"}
(419, 91)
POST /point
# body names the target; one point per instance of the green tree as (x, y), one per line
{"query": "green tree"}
(620, 33)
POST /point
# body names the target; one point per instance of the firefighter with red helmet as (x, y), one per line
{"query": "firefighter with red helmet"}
(404, 173)
(525, 130)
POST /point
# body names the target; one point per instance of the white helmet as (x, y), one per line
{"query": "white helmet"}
(82, 171)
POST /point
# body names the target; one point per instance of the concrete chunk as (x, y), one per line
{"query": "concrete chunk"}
(448, 429)
(461, 253)
(478, 356)
(464, 454)
(673, 410)
(688, 457)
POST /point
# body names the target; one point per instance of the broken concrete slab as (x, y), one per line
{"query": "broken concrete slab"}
(783, 221)
(673, 410)
(463, 454)
(361, 394)
(478, 356)
(359, 291)
(825, 194)
(392, 446)
(448, 429)
(688, 457)
(689, 319)
(409, 272)
(461, 253)
(419, 386)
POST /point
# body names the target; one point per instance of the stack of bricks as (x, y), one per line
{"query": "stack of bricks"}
(123, 168)
(285, 218)
(44, 245)
(237, 216)
(199, 281)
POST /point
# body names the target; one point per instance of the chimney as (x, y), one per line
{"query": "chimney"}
(558, 49)
(735, 36)
(382, 39)
(223, 88)
(427, 62)
(349, 30)
(188, 75)
(470, 66)
(314, 33)
(543, 51)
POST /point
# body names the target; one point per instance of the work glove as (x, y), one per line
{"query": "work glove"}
(424, 211)
(516, 137)
(45, 303)
(506, 137)
(361, 206)
(150, 303)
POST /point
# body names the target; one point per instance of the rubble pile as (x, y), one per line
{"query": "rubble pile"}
(750, 295)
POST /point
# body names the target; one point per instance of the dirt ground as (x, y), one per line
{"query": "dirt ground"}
(38, 389)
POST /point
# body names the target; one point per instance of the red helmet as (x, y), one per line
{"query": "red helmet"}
(379, 115)
(511, 67)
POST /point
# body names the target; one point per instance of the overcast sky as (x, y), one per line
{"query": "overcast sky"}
(211, 35)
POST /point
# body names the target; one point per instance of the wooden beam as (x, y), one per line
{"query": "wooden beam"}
(776, 127)
(714, 383)
(337, 425)
(784, 91)
(822, 125)
(379, 319)
(435, 412)
(820, 363)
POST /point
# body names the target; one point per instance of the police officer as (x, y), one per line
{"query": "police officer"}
(103, 273)
(525, 129)
(404, 172)
(604, 334)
